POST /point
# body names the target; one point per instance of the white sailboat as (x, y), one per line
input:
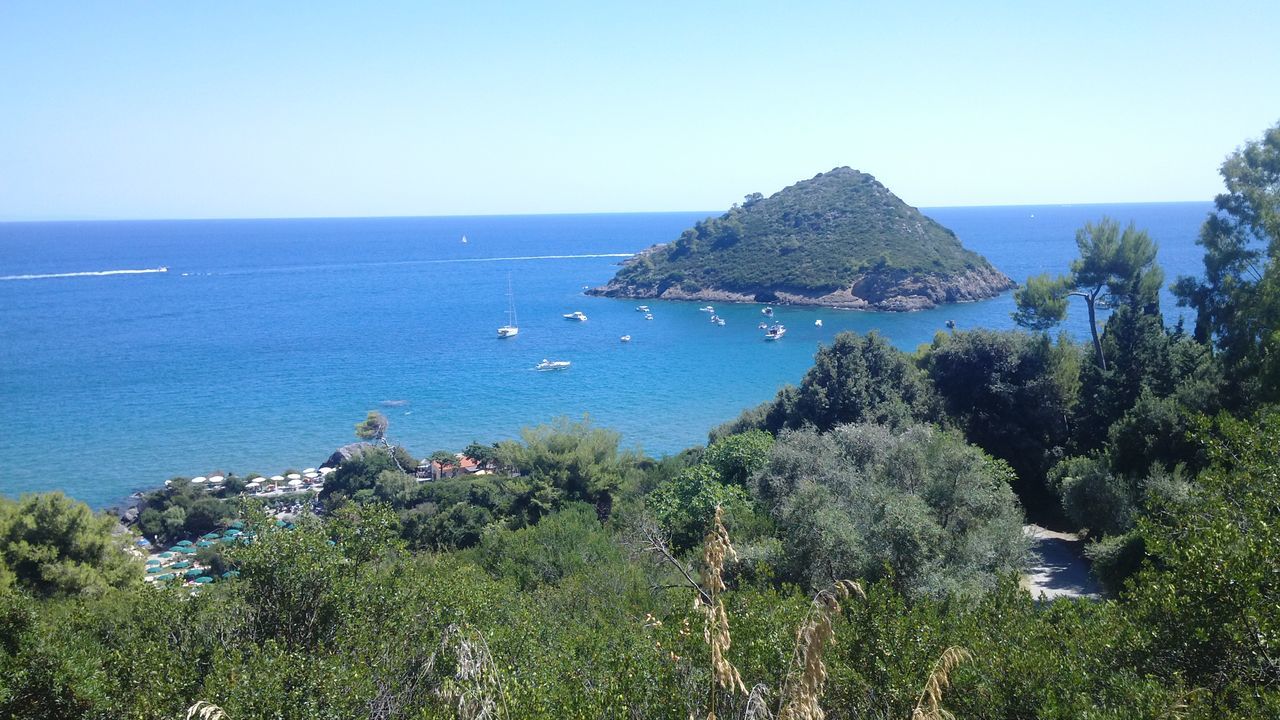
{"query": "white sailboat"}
(512, 328)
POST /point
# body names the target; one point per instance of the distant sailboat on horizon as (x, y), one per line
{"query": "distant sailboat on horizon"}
(512, 328)
(464, 239)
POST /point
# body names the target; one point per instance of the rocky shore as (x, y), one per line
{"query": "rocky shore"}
(892, 292)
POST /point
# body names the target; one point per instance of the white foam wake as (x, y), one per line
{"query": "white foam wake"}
(97, 273)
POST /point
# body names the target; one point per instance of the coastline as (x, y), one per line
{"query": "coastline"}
(866, 292)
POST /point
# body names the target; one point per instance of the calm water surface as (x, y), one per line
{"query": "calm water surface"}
(268, 339)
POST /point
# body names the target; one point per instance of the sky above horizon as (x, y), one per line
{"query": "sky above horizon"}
(290, 109)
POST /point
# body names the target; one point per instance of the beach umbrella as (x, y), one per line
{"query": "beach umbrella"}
(225, 540)
(193, 572)
(153, 561)
(232, 532)
(166, 576)
(155, 569)
(181, 565)
(231, 574)
(209, 535)
(166, 555)
(279, 523)
(294, 476)
(326, 470)
(204, 543)
(296, 482)
(183, 543)
(253, 484)
(307, 470)
(216, 479)
(198, 480)
(277, 478)
(204, 579)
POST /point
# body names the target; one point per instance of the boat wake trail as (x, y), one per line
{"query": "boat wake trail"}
(98, 273)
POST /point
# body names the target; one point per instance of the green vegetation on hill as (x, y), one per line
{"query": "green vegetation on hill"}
(830, 553)
(813, 238)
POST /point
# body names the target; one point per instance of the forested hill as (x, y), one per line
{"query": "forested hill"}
(839, 239)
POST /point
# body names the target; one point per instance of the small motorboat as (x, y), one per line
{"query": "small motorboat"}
(818, 322)
(707, 309)
(775, 332)
(767, 311)
(951, 324)
(648, 316)
(762, 326)
(625, 338)
(718, 320)
(575, 315)
(642, 308)
(552, 365)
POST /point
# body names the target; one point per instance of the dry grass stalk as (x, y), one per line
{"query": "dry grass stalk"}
(929, 706)
(473, 686)
(758, 704)
(803, 686)
(716, 551)
(205, 711)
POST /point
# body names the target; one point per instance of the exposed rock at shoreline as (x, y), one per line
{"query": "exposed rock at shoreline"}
(868, 292)
(840, 239)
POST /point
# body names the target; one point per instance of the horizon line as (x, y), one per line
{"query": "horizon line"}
(92, 218)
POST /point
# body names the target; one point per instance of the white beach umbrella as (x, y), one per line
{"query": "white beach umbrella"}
(198, 480)
(277, 478)
(294, 476)
(326, 470)
(296, 482)
(216, 478)
(309, 470)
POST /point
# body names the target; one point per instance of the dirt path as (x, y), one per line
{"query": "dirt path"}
(1058, 567)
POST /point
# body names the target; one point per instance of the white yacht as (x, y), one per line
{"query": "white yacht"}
(767, 311)
(818, 322)
(575, 315)
(642, 308)
(648, 316)
(625, 338)
(552, 365)
(512, 328)
(707, 309)
(775, 332)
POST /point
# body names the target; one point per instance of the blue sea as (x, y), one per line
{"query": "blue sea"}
(267, 340)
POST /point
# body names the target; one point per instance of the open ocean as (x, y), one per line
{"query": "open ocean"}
(267, 340)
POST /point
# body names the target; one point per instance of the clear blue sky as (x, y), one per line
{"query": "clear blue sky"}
(250, 109)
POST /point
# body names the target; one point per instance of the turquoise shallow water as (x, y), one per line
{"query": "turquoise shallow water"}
(267, 340)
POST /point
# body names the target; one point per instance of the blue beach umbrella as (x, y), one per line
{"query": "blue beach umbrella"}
(204, 543)
(204, 579)
(209, 536)
(166, 555)
(184, 543)
(181, 565)
(166, 576)
(153, 561)
(154, 569)
(193, 573)
(226, 540)
(233, 532)
(231, 574)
